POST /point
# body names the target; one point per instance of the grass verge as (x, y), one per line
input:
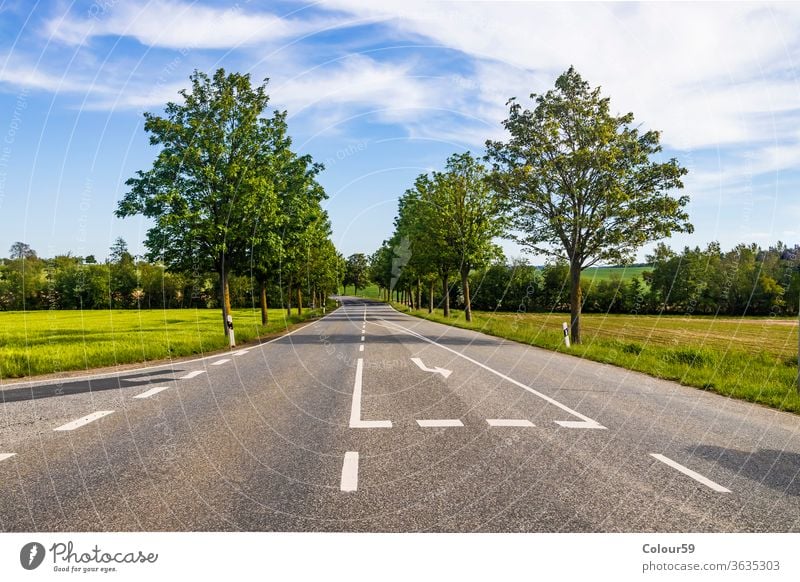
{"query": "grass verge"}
(753, 359)
(46, 342)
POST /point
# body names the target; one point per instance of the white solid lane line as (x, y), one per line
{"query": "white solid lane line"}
(220, 362)
(85, 420)
(151, 392)
(509, 422)
(689, 473)
(440, 422)
(4, 456)
(191, 375)
(355, 412)
(585, 421)
(349, 472)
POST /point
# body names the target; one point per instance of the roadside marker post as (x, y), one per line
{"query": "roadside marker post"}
(230, 331)
(566, 333)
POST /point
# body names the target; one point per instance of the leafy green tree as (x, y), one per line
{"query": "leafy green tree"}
(208, 184)
(278, 241)
(380, 267)
(579, 183)
(21, 250)
(419, 219)
(465, 217)
(357, 271)
(124, 278)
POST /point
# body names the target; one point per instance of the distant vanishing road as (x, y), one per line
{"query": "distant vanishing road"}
(370, 420)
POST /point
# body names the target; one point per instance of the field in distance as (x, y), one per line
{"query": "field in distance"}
(751, 358)
(597, 274)
(44, 342)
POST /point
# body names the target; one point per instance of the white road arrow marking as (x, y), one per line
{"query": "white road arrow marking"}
(436, 370)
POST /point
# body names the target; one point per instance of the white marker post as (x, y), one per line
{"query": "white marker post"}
(566, 333)
(230, 331)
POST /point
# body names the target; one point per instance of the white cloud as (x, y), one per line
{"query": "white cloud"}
(706, 75)
(390, 91)
(19, 73)
(173, 24)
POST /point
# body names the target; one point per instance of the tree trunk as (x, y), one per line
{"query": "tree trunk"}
(419, 294)
(299, 300)
(446, 298)
(264, 313)
(430, 298)
(575, 300)
(224, 299)
(289, 299)
(227, 295)
(465, 289)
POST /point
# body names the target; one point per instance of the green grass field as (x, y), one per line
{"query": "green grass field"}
(371, 291)
(43, 342)
(754, 359)
(598, 274)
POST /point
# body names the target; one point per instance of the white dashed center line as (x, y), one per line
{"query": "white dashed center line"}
(85, 420)
(151, 392)
(440, 422)
(361, 348)
(220, 362)
(191, 375)
(508, 422)
(4, 456)
(349, 472)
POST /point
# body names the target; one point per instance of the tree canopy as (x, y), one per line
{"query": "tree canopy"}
(225, 192)
(580, 183)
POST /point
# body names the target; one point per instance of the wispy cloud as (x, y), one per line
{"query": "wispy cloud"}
(357, 80)
(168, 24)
(705, 75)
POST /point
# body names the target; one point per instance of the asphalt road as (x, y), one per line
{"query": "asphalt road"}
(370, 420)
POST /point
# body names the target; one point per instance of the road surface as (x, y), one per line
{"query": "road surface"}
(371, 420)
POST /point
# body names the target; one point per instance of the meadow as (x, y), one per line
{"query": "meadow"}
(45, 342)
(597, 274)
(750, 358)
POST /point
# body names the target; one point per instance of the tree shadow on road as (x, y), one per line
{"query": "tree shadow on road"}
(778, 470)
(80, 386)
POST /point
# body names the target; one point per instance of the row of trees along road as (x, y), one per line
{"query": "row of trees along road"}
(227, 193)
(445, 227)
(573, 182)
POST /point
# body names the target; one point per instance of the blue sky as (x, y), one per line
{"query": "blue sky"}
(381, 92)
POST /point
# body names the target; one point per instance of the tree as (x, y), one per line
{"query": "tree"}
(277, 244)
(357, 271)
(208, 184)
(21, 250)
(467, 217)
(123, 277)
(578, 182)
(419, 219)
